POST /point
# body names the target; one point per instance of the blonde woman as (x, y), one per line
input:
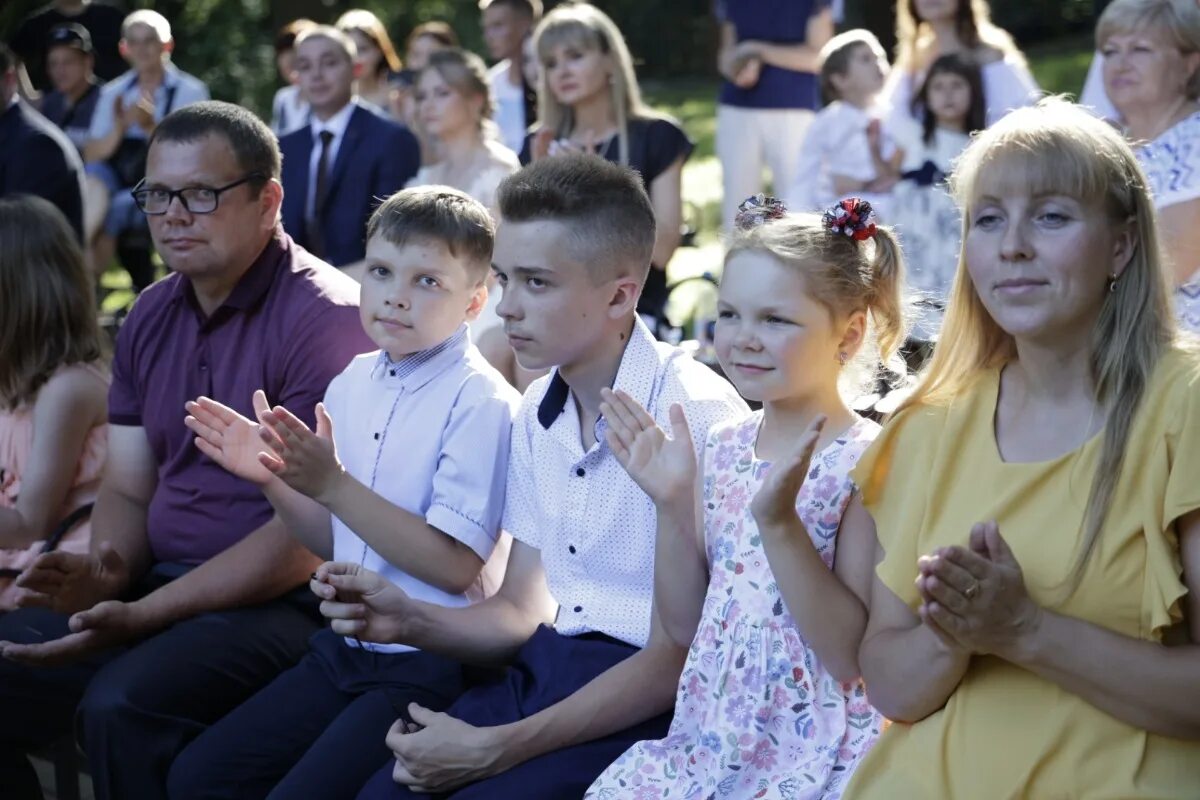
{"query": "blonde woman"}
(375, 60)
(589, 100)
(454, 107)
(927, 29)
(1035, 618)
(1151, 68)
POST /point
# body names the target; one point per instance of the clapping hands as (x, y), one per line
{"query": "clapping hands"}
(663, 467)
(303, 459)
(974, 598)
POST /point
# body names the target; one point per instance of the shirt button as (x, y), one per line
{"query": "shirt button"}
(579, 472)
(571, 549)
(578, 609)
(393, 373)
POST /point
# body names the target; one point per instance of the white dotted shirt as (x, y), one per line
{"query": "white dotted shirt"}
(594, 527)
(430, 434)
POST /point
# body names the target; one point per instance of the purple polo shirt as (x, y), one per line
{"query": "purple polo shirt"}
(289, 326)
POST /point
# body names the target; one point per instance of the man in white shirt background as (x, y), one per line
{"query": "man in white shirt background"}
(506, 24)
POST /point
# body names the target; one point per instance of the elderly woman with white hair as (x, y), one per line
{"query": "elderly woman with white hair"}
(1151, 51)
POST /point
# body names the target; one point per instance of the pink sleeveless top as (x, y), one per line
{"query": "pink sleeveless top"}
(16, 444)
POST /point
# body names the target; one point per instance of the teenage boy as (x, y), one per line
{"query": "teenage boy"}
(69, 61)
(338, 167)
(404, 475)
(506, 26)
(572, 252)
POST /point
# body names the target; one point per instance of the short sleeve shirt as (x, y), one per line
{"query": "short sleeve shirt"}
(289, 326)
(782, 22)
(177, 90)
(936, 471)
(429, 434)
(594, 527)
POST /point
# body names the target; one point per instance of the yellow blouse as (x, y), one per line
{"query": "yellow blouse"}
(1005, 732)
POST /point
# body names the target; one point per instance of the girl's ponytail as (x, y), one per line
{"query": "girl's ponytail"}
(886, 302)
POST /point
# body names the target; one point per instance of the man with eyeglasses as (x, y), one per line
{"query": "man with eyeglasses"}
(194, 595)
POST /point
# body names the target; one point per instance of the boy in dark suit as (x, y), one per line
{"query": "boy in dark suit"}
(339, 167)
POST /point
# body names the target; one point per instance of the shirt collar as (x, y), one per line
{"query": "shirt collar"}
(336, 124)
(633, 376)
(170, 77)
(254, 283)
(416, 369)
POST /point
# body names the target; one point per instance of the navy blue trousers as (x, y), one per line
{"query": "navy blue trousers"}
(133, 709)
(549, 668)
(317, 731)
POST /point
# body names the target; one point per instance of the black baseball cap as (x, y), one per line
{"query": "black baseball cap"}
(70, 34)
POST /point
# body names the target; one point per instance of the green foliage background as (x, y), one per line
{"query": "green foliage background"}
(227, 43)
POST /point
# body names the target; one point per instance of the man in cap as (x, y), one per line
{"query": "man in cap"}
(70, 65)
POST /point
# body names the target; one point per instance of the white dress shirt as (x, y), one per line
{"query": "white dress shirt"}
(510, 107)
(594, 527)
(430, 434)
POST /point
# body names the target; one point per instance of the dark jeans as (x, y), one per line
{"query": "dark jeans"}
(135, 708)
(549, 668)
(317, 731)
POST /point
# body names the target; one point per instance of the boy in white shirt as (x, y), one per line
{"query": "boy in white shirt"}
(590, 668)
(409, 483)
(846, 151)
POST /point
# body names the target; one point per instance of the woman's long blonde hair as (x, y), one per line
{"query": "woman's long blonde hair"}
(1058, 148)
(973, 24)
(586, 27)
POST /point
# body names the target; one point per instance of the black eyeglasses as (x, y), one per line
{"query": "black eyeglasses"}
(195, 199)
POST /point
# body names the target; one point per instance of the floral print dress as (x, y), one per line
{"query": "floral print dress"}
(756, 714)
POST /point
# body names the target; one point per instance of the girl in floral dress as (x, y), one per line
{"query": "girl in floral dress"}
(770, 703)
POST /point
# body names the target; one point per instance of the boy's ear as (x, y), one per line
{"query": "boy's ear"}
(479, 299)
(624, 299)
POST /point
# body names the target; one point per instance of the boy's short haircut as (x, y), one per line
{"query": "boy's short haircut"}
(152, 20)
(836, 54)
(335, 35)
(528, 8)
(442, 214)
(604, 205)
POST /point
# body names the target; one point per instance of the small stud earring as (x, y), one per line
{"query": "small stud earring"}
(842, 358)
(1112, 283)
